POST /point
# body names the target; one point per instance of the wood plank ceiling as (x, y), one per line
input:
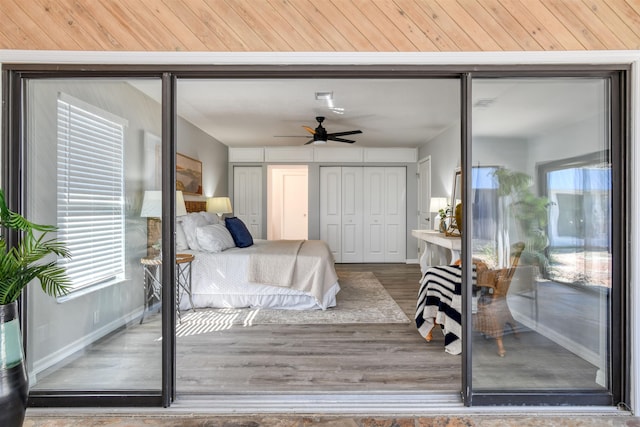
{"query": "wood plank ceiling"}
(326, 25)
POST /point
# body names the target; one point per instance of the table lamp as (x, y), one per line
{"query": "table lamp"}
(219, 205)
(152, 210)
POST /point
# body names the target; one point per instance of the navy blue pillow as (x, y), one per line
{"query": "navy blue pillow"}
(239, 232)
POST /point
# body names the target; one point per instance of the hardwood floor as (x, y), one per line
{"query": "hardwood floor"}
(358, 358)
(322, 358)
(362, 358)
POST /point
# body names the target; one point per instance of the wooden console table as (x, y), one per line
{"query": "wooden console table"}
(440, 243)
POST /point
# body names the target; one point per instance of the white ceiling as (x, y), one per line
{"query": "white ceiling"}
(390, 112)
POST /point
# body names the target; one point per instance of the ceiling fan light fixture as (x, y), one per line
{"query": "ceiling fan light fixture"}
(321, 136)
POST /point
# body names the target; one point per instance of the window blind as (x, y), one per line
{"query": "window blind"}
(90, 195)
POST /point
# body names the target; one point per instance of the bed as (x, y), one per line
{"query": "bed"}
(231, 273)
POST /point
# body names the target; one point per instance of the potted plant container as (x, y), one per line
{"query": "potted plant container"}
(33, 258)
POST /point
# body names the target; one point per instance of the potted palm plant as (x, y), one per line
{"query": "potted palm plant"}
(20, 265)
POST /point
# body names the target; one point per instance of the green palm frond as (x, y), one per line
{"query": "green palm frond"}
(15, 221)
(26, 262)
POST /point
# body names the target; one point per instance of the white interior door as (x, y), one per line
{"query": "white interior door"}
(331, 209)
(287, 202)
(247, 197)
(294, 222)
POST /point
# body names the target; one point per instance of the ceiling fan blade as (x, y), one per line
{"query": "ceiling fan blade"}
(291, 136)
(341, 140)
(350, 132)
(312, 131)
(309, 142)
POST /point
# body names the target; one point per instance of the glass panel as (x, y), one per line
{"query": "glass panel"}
(541, 234)
(93, 152)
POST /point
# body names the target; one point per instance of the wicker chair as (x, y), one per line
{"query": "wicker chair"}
(493, 312)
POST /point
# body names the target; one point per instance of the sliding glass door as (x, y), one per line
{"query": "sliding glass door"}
(540, 176)
(543, 194)
(93, 164)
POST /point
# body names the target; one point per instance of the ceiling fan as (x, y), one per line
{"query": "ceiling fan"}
(320, 135)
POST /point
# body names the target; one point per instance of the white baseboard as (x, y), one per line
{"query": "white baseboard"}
(79, 344)
(412, 261)
(562, 340)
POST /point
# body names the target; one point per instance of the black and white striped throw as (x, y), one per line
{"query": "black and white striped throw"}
(440, 301)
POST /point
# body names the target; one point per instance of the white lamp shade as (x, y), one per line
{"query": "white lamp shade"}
(219, 205)
(437, 203)
(181, 208)
(152, 204)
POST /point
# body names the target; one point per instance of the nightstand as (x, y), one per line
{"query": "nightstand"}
(152, 281)
(183, 279)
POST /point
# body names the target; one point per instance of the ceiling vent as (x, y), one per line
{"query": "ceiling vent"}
(484, 102)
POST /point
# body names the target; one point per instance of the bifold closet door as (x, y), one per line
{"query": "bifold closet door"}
(247, 197)
(384, 215)
(331, 209)
(395, 214)
(374, 211)
(352, 205)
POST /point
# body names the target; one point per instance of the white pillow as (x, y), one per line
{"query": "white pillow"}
(214, 238)
(210, 217)
(181, 238)
(190, 224)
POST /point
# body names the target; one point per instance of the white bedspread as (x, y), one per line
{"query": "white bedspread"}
(221, 280)
(274, 264)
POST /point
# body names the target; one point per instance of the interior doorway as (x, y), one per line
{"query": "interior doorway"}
(287, 202)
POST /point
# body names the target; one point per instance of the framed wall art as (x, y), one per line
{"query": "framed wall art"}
(188, 175)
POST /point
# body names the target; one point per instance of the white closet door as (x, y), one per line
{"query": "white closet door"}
(352, 203)
(247, 197)
(331, 209)
(374, 214)
(395, 218)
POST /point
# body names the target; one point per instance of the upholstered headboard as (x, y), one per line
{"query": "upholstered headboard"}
(195, 206)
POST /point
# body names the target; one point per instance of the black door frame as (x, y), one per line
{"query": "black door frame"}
(15, 75)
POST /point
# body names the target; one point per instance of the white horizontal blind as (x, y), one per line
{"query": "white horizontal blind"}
(90, 192)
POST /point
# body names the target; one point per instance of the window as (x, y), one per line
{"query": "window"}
(485, 203)
(90, 192)
(579, 219)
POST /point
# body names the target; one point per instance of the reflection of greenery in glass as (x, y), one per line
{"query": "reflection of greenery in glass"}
(529, 211)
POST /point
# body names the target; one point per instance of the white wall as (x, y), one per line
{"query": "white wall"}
(575, 139)
(445, 157)
(193, 142)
